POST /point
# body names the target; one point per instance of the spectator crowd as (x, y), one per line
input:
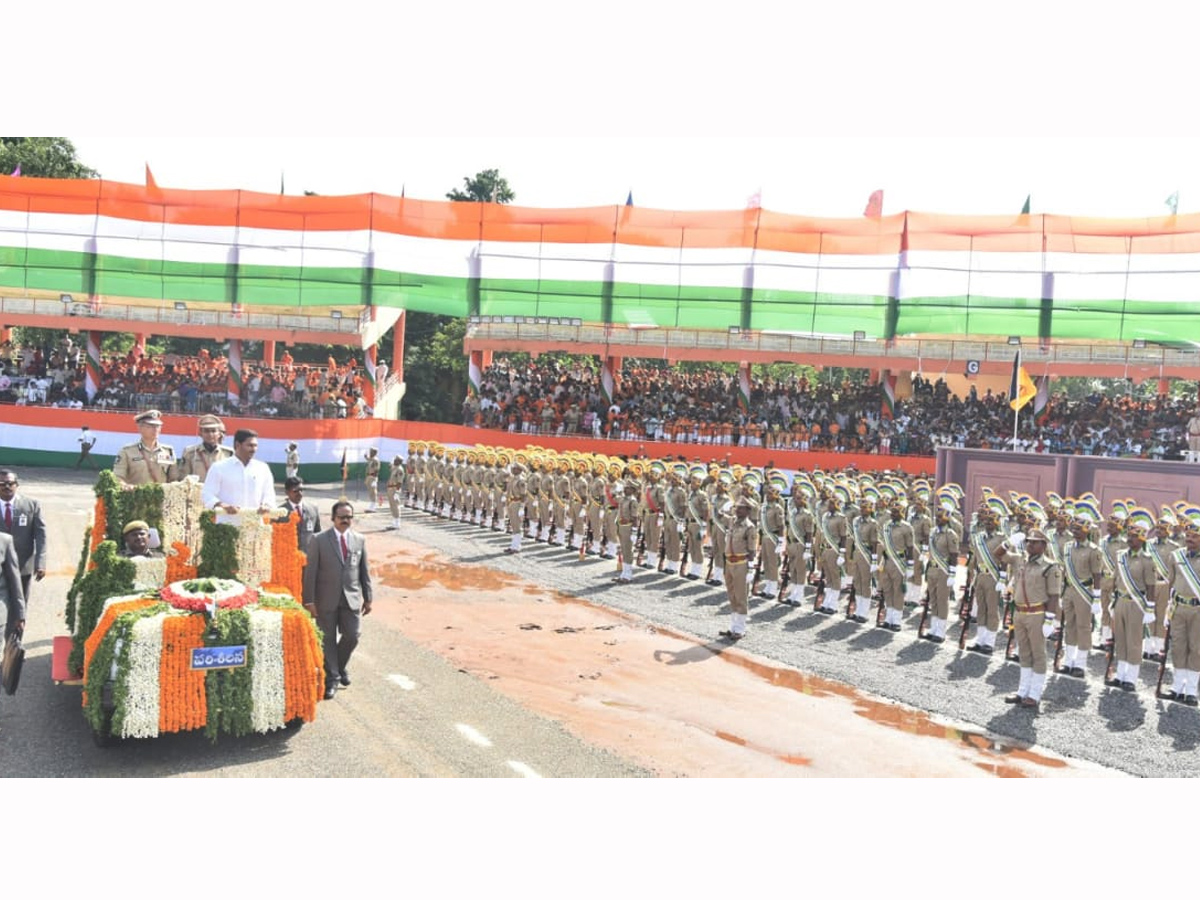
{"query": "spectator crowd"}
(197, 384)
(662, 404)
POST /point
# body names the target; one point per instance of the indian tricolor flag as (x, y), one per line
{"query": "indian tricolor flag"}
(1041, 400)
(608, 381)
(888, 411)
(743, 387)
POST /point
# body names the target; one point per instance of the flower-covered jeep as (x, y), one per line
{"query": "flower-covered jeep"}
(210, 636)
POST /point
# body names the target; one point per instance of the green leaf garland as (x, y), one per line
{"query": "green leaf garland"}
(218, 553)
(230, 703)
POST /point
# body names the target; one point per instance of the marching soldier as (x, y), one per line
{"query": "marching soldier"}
(1111, 546)
(626, 516)
(145, 461)
(771, 522)
(395, 491)
(372, 479)
(560, 493)
(722, 517)
(1134, 609)
(675, 505)
(500, 479)
(800, 527)
(1037, 587)
(699, 512)
(940, 574)
(740, 546)
(652, 515)
(547, 504)
(1083, 568)
(199, 458)
(833, 533)
(595, 514)
(1185, 616)
(922, 526)
(899, 550)
(516, 500)
(1160, 547)
(987, 573)
(864, 559)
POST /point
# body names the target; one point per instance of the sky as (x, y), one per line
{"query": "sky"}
(811, 106)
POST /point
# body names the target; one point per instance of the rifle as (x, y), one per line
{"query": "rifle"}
(587, 539)
(1162, 666)
(924, 611)
(757, 572)
(881, 610)
(786, 575)
(1108, 665)
(1010, 615)
(662, 545)
(964, 611)
(683, 554)
(1058, 643)
(639, 551)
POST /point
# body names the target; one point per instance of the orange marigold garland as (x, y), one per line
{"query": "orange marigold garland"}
(183, 703)
(303, 670)
(178, 568)
(99, 528)
(287, 562)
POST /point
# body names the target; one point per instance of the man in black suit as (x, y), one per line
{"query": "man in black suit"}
(10, 588)
(337, 591)
(310, 516)
(21, 517)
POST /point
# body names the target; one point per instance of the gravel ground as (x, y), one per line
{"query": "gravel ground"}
(1132, 732)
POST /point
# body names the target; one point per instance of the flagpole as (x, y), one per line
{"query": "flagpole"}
(1016, 414)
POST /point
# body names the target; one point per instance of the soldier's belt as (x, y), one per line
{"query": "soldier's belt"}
(736, 557)
(1037, 607)
(1187, 601)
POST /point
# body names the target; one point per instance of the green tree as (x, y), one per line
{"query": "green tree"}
(42, 157)
(487, 186)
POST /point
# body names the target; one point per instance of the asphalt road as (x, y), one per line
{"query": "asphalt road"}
(408, 712)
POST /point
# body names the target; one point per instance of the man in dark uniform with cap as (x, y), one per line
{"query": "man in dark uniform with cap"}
(199, 458)
(137, 541)
(145, 461)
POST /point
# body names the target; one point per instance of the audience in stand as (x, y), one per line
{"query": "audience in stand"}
(655, 404)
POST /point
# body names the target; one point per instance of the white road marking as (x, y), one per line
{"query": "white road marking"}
(402, 681)
(523, 770)
(472, 735)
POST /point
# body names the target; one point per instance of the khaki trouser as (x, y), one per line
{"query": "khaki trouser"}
(1185, 637)
(1107, 585)
(1161, 597)
(1077, 619)
(625, 539)
(770, 558)
(892, 583)
(673, 544)
(939, 592)
(1127, 632)
(797, 564)
(829, 567)
(1031, 642)
(736, 586)
(860, 568)
(987, 602)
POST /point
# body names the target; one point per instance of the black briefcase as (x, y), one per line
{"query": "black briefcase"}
(10, 668)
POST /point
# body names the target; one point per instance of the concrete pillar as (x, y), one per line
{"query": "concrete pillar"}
(233, 389)
(268, 354)
(398, 347)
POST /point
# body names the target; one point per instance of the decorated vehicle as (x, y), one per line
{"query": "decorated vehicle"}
(208, 635)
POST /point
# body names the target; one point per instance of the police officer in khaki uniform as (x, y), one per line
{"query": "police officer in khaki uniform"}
(1185, 616)
(988, 568)
(899, 550)
(864, 559)
(395, 491)
(833, 532)
(627, 508)
(1134, 606)
(1111, 546)
(145, 461)
(741, 543)
(1083, 568)
(199, 458)
(940, 574)
(1037, 588)
(372, 479)
(771, 519)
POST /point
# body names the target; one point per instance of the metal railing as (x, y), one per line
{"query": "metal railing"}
(352, 322)
(660, 341)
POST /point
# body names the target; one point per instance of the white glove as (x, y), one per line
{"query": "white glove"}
(1096, 609)
(679, 528)
(779, 549)
(808, 548)
(874, 564)
(908, 571)
(703, 532)
(1148, 618)
(841, 559)
(1048, 629)
(1017, 540)
(847, 581)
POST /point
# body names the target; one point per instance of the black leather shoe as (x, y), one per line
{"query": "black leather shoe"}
(1077, 672)
(1013, 698)
(936, 639)
(1111, 682)
(892, 627)
(860, 619)
(1171, 695)
(927, 636)
(1190, 700)
(330, 693)
(712, 581)
(345, 679)
(1128, 686)
(690, 577)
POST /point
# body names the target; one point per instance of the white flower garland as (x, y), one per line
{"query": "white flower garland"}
(254, 549)
(269, 702)
(182, 505)
(141, 679)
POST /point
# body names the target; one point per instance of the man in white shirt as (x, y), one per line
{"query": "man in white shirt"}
(241, 481)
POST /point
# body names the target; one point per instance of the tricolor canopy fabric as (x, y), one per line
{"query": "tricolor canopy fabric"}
(910, 273)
